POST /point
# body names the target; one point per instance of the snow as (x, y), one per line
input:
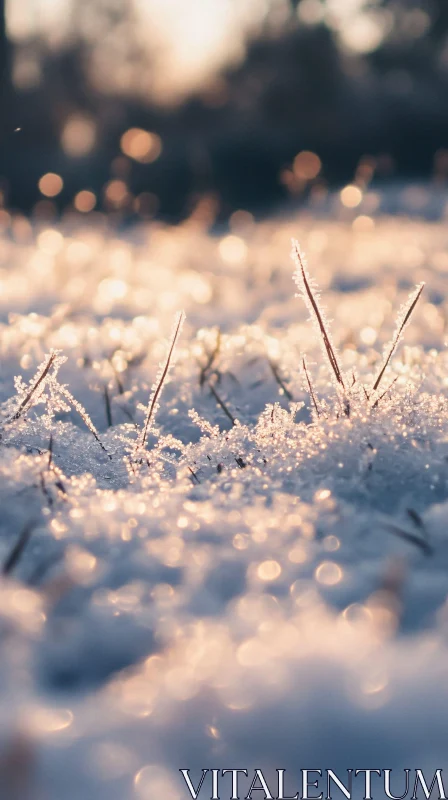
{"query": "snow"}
(237, 578)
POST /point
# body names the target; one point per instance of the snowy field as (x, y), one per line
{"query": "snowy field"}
(255, 574)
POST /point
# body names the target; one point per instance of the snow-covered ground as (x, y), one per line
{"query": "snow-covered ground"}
(266, 587)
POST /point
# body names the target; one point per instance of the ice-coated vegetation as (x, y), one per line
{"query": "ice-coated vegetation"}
(227, 548)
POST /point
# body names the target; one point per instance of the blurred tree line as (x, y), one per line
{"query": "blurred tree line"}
(299, 88)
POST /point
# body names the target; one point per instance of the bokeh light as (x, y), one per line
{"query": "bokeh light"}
(307, 165)
(51, 184)
(85, 201)
(351, 196)
(78, 136)
(141, 145)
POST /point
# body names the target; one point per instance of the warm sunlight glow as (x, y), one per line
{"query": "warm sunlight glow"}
(233, 250)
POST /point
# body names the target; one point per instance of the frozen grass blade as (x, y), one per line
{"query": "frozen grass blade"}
(158, 387)
(206, 369)
(402, 320)
(51, 467)
(45, 491)
(221, 403)
(194, 477)
(17, 550)
(310, 388)
(38, 381)
(50, 452)
(410, 537)
(84, 416)
(378, 400)
(108, 407)
(278, 378)
(311, 299)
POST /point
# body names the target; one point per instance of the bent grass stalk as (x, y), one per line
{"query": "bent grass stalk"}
(84, 416)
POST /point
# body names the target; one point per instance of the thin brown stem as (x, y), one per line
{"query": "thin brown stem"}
(211, 359)
(279, 379)
(378, 400)
(221, 404)
(310, 388)
(34, 387)
(403, 320)
(108, 407)
(314, 307)
(18, 549)
(141, 441)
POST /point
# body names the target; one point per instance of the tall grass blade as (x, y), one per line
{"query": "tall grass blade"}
(403, 318)
(311, 298)
(37, 382)
(158, 387)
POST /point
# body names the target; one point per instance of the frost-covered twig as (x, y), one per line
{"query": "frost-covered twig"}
(157, 388)
(378, 400)
(311, 297)
(402, 320)
(37, 383)
(203, 424)
(310, 387)
(83, 414)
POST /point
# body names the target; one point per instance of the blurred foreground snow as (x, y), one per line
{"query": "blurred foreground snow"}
(266, 594)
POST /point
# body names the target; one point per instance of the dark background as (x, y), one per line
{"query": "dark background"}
(371, 113)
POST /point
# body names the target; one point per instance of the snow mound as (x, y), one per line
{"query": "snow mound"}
(250, 567)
